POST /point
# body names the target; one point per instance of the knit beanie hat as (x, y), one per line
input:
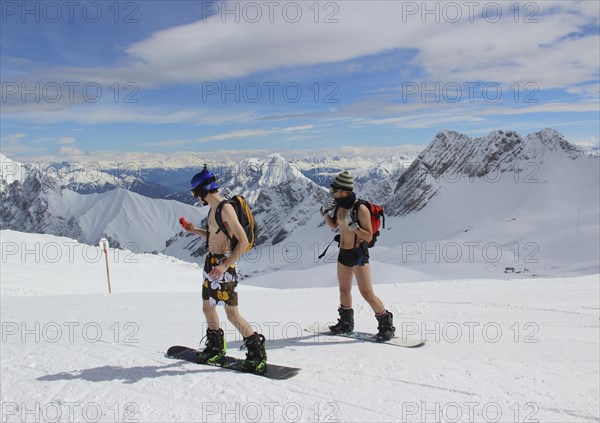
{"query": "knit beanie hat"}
(343, 181)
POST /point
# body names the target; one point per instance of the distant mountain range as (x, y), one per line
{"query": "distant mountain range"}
(375, 170)
(450, 188)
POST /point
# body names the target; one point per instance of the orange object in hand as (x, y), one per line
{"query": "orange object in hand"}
(183, 222)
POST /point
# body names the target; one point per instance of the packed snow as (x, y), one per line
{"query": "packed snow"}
(510, 350)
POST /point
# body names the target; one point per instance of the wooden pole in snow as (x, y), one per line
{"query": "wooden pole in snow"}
(104, 246)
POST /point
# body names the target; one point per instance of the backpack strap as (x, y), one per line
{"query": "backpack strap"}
(219, 220)
(357, 205)
(335, 239)
(355, 211)
(207, 234)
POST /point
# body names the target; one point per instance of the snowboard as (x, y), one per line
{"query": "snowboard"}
(274, 371)
(319, 329)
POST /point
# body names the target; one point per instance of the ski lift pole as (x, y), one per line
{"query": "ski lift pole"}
(104, 247)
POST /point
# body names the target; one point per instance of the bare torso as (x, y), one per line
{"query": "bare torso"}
(348, 239)
(218, 242)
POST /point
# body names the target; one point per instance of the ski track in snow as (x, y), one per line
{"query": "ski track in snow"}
(108, 373)
(543, 365)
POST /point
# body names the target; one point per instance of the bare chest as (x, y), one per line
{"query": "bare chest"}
(347, 238)
(218, 242)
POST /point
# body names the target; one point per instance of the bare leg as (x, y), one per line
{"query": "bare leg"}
(210, 313)
(234, 316)
(365, 286)
(344, 274)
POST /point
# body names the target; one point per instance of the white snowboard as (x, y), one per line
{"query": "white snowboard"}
(364, 336)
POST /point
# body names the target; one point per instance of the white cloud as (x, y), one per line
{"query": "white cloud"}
(13, 138)
(243, 133)
(591, 142)
(435, 115)
(72, 152)
(238, 134)
(248, 133)
(546, 51)
(12, 145)
(552, 53)
(591, 91)
(297, 128)
(166, 143)
(101, 114)
(66, 140)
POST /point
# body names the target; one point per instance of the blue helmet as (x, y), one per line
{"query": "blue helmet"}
(204, 180)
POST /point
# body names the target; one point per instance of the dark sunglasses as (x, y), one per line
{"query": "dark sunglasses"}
(199, 193)
(333, 190)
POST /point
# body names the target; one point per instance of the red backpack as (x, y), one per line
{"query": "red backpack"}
(377, 218)
(377, 221)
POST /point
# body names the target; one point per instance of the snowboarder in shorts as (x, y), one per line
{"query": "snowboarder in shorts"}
(353, 259)
(220, 277)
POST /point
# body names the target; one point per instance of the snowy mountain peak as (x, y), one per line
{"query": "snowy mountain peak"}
(49, 200)
(252, 173)
(277, 170)
(10, 171)
(32, 201)
(536, 144)
(282, 200)
(552, 140)
(452, 155)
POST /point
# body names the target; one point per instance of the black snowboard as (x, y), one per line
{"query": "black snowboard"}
(274, 371)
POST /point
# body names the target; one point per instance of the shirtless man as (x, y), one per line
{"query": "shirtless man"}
(220, 276)
(353, 259)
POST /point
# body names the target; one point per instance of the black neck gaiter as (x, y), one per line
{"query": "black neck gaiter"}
(346, 202)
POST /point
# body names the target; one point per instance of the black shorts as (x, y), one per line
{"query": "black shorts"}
(351, 257)
(224, 290)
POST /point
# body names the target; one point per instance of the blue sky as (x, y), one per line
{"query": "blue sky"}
(95, 80)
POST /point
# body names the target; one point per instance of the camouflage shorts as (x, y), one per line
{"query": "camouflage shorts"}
(224, 290)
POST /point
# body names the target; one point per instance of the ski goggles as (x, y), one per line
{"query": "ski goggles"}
(199, 192)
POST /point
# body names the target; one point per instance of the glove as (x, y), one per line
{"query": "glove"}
(353, 227)
(351, 221)
(328, 207)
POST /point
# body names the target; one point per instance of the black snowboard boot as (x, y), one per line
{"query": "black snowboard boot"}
(386, 329)
(256, 357)
(215, 347)
(345, 323)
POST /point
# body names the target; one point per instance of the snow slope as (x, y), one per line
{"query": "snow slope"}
(34, 199)
(137, 222)
(547, 221)
(500, 201)
(497, 350)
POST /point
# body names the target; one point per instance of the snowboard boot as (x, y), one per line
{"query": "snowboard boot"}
(345, 323)
(386, 329)
(256, 357)
(215, 347)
